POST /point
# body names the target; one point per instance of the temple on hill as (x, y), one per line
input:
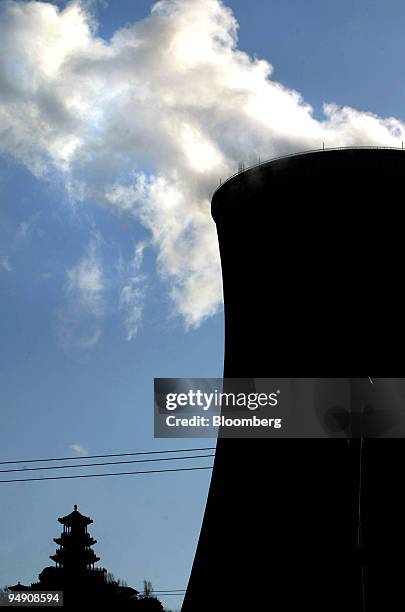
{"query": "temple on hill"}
(75, 574)
(75, 558)
(75, 552)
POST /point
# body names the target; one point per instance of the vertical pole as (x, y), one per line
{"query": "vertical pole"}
(360, 531)
(359, 526)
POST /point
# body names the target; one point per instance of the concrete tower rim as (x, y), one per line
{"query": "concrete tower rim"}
(309, 152)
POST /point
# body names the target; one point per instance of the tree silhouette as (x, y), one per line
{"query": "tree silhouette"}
(147, 589)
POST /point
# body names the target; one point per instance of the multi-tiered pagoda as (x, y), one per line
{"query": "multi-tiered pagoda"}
(75, 553)
(77, 577)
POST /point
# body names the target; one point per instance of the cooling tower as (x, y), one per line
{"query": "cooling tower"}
(312, 259)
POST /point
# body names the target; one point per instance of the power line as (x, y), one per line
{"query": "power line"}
(108, 474)
(163, 452)
(77, 465)
(169, 591)
(166, 594)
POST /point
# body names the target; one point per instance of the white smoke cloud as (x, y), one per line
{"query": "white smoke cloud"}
(171, 93)
(5, 263)
(26, 226)
(78, 322)
(133, 292)
(80, 450)
(85, 283)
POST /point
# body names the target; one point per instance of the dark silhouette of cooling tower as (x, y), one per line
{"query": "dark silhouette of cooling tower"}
(312, 253)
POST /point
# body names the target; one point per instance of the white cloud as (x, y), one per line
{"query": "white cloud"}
(171, 92)
(26, 226)
(85, 281)
(23, 229)
(132, 293)
(79, 449)
(5, 263)
(78, 322)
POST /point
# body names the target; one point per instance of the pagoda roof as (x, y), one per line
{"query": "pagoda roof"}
(86, 556)
(75, 517)
(65, 539)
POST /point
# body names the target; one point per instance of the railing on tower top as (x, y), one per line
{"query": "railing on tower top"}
(242, 168)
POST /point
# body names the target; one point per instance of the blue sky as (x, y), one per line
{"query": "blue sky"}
(71, 281)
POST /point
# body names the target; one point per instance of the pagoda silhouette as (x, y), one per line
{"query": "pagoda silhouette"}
(75, 574)
(75, 552)
(74, 559)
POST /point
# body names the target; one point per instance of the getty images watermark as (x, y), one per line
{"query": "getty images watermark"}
(280, 407)
(216, 407)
